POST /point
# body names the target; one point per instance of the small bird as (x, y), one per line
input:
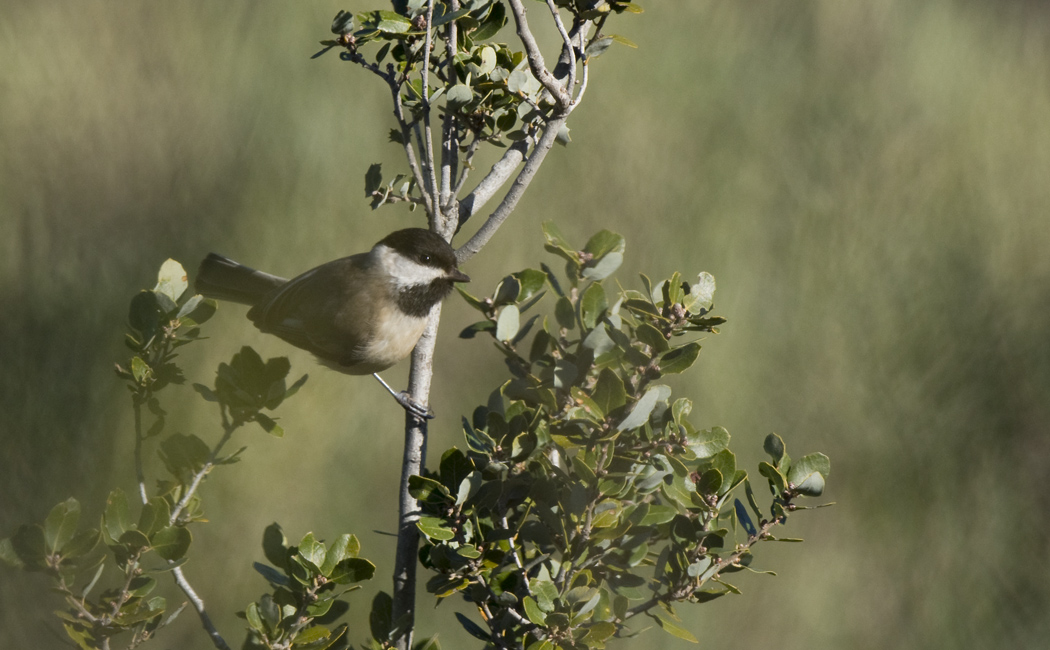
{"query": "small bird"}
(359, 314)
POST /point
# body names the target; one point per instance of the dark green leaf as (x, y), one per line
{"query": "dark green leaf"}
(609, 392)
(116, 515)
(472, 628)
(604, 242)
(61, 525)
(172, 542)
(183, 456)
(777, 481)
(652, 337)
(270, 425)
(312, 551)
(533, 611)
(564, 313)
(680, 359)
(809, 473)
(709, 442)
(592, 305)
(644, 407)
(352, 569)
(434, 528)
(674, 630)
(272, 575)
(774, 446)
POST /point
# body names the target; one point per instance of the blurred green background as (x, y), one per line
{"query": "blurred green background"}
(869, 183)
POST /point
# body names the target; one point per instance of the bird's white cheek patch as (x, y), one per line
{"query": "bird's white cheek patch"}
(406, 272)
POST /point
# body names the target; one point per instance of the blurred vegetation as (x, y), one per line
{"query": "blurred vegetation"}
(867, 182)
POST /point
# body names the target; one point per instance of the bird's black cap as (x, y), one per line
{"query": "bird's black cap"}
(425, 247)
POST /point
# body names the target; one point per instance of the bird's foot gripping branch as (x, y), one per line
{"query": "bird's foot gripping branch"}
(585, 496)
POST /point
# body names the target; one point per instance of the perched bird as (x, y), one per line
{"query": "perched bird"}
(359, 314)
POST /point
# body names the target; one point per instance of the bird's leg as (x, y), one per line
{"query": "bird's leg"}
(406, 401)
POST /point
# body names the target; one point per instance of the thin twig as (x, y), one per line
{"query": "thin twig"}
(472, 148)
(140, 476)
(449, 126)
(428, 138)
(406, 143)
(500, 173)
(719, 566)
(569, 47)
(228, 429)
(510, 200)
(535, 58)
(198, 604)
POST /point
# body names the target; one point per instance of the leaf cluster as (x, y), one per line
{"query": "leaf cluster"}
(487, 91)
(307, 581)
(157, 541)
(585, 495)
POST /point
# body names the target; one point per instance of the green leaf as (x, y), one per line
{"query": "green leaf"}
(809, 473)
(61, 525)
(639, 415)
(183, 456)
(337, 552)
(597, 47)
(434, 528)
(680, 359)
(604, 242)
(725, 462)
(269, 425)
(311, 634)
(82, 543)
(312, 551)
(604, 267)
(652, 337)
(675, 630)
(352, 569)
(774, 446)
(140, 370)
(508, 323)
(701, 294)
(116, 514)
(272, 575)
(459, 95)
(172, 542)
(533, 611)
(531, 282)
(777, 481)
(609, 392)
(389, 22)
(496, 19)
(592, 304)
(154, 516)
(564, 313)
(171, 280)
(472, 628)
(554, 238)
(707, 443)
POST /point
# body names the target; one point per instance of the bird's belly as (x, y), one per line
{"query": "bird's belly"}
(395, 334)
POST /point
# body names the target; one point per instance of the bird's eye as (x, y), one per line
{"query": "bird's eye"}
(424, 259)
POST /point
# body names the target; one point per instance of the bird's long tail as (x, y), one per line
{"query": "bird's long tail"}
(223, 279)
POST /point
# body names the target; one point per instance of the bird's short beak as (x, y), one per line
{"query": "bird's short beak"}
(458, 276)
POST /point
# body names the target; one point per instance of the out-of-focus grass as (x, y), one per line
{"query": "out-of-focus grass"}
(867, 181)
